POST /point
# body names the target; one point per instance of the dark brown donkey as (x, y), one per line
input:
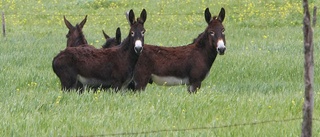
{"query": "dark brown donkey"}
(77, 67)
(75, 35)
(112, 42)
(188, 64)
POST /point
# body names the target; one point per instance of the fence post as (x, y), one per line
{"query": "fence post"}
(3, 25)
(309, 71)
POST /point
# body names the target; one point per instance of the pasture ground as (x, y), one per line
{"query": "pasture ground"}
(255, 89)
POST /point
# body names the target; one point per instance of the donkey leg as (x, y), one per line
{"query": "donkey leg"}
(66, 73)
(79, 87)
(194, 87)
(68, 80)
(141, 77)
(131, 86)
(140, 83)
(116, 86)
(67, 84)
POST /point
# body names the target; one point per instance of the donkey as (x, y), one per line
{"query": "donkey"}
(112, 42)
(75, 35)
(77, 67)
(76, 38)
(187, 65)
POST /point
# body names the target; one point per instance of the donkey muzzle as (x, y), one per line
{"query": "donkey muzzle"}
(221, 48)
(138, 46)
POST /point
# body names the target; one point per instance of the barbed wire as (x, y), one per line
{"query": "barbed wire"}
(316, 119)
(116, 14)
(197, 128)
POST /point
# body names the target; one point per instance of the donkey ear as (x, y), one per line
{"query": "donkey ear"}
(83, 22)
(143, 15)
(221, 15)
(127, 16)
(131, 17)
(68, 24)
(207, 15)
(118, 35)
(105, 35)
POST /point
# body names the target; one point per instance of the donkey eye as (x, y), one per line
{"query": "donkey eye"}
(132, 33)
(212, 33)
(142, 33)
(223, 31)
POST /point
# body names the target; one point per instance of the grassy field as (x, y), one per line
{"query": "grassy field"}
(255, 89)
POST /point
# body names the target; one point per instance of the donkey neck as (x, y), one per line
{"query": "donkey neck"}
(125, 44)
(206, 46)
(127, 48)
(80, 41)
(77, 37)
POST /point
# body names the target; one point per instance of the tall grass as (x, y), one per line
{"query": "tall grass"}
(259, 79)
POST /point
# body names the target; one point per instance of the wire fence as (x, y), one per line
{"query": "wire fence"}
(199, 128)
(234, 13)
(102, 15)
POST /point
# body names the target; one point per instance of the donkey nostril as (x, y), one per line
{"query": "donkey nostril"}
(221, 50)
(138, 49)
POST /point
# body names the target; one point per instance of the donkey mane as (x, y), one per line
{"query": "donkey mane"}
(197, 38)
(81, 40)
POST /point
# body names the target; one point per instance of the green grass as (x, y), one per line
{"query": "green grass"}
(260, 78)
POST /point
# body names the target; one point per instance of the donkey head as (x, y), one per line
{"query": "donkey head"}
(215, 30)
(136, 34)
(112, 42)
(75, 36)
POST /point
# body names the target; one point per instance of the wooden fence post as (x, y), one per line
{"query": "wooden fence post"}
(309, 71)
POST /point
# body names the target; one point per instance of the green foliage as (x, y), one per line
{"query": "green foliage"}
(260, 78)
